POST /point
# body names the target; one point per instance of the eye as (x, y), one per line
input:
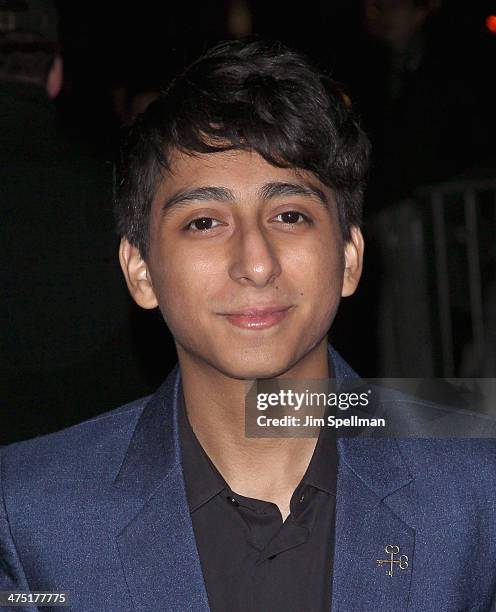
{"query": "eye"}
(203, 224)
(291, 217)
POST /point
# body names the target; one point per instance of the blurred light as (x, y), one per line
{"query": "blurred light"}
(491, 23)
(239, 20)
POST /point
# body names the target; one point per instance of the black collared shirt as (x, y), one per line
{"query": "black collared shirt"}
(251, 560)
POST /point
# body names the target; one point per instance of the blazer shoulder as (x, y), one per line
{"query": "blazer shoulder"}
(74, 451)
(440, 443)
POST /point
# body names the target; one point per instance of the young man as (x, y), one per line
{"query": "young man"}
(239, 210)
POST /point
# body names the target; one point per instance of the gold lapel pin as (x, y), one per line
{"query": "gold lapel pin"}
(401, 563)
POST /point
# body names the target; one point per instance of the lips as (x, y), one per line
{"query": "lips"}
(258, 318)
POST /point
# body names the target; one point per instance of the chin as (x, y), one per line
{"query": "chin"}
(250, 369)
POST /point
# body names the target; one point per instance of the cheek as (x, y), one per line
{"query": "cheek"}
(182, 285)
(319, 273)
(319, 269)
(327, 296)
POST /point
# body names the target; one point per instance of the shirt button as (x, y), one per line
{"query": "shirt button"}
(233, 501)
(302, 498)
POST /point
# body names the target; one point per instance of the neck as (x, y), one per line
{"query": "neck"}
(261, 468)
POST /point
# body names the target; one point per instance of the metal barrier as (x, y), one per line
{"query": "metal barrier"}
(438, 286)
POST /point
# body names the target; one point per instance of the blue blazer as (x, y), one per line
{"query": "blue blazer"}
(99, 510)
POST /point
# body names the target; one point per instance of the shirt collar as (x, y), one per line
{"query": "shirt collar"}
(203, 480)
(322, 469)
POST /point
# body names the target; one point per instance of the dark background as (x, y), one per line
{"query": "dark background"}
(429, 113)
(108, 46)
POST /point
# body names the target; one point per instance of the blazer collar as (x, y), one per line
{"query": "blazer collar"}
(365, 456)
(157, 545)
(154, 450)
(374, 510)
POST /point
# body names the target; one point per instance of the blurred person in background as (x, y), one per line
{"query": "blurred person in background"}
(58, 338)
(416, 80)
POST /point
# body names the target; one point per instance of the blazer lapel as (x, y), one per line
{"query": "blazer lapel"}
(374, 510)
(373, 504)
(157, 545)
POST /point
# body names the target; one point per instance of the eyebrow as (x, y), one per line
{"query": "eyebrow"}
(222, 194)
(218, 194)
(280, 189)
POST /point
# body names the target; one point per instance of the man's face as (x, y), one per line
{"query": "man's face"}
(230, 233)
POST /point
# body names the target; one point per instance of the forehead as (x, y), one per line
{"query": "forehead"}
(243, 172)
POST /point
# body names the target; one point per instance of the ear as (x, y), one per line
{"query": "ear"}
(137, 276)
(353, 255)
(55, 78)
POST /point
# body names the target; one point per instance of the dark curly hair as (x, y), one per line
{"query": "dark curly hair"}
(249, 96)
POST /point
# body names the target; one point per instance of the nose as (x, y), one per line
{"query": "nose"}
(254, 259)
